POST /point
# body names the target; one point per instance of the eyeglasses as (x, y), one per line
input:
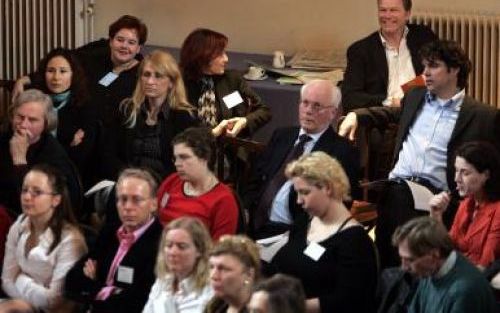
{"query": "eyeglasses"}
(35, 192)
(135, 200)
(314, 106)
(156, 75)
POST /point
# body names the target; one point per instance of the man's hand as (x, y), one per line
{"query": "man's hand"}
(19, 86)
(90, 269)
(19, 144)
(235, 125)
(438, 205)
(349, 126)
(77, 138)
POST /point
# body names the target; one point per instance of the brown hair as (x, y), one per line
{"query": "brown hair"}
(129, 22)
(242, 248)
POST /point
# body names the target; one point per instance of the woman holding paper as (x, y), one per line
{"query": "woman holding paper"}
(476, 227)
(331, 254)
(223, 99)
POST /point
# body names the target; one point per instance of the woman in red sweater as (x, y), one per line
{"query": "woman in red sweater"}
(476, 227)
(194, 190)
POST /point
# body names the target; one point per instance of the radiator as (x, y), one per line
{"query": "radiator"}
(479, 36)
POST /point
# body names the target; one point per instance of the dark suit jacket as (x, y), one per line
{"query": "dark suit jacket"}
(256, 112)
(282, 141)
(367, 73)
(476, 121)
(141, 258)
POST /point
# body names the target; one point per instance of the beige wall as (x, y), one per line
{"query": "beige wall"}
(266, 25)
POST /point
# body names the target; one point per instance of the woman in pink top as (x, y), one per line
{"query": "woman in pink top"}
(194, 190)
(476, 227)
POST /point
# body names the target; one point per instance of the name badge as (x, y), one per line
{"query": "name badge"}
(125, 274)
(314, 251)
(108, 79)
(232, 99)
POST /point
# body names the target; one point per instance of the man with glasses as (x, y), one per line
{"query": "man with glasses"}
(28, 141)
(118, 273)
(271, 198)
(447, 281)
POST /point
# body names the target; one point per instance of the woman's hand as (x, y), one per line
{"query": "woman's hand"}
(77, 138)
(235, 125)
(19, 86)
(219, 129)
(438, 205)
(90, 269)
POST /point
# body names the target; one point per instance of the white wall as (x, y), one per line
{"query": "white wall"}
(266, 25)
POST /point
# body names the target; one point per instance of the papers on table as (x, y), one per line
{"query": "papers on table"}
(271, 245)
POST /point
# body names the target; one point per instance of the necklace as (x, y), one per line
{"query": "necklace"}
(210, 183)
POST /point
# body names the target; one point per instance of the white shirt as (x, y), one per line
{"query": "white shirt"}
(163, 299)
(400, 68)
(38, 278)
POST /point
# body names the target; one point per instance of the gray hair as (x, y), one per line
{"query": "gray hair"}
(35, 95)
(336, 95)
(139, 174)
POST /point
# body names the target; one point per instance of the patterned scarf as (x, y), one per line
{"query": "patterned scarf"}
(207, 108)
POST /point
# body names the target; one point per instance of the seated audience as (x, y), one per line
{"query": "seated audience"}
(476, 228)
(271, 198)
(433, 122)
(182, 283)
(447, 281)
(43, 243)
(156, 112)
(16, 306)
(110, 66)
(234, 268)
(278, 294)
(380, 63)
(194, 190)
(203, 61)
(117, 274)
(331, 253)
(27, 141)
(66, 85)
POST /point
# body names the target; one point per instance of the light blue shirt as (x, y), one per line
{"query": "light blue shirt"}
(424, 152)
(280, 212)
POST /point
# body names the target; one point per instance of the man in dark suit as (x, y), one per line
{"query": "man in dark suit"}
(379, 64)
(271, 198)
(433, 122)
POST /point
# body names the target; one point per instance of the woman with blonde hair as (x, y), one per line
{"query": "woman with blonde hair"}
(156, 112)
(181, 269)
(234, 268)
(331, 254)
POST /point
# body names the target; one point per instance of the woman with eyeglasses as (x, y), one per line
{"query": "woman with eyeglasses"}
(118, 272)
(156, 112)
(194, 190)
(43, 243)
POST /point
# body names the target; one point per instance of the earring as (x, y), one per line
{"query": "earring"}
(246, 282)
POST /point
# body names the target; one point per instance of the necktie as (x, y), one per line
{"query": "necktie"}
(262, 212)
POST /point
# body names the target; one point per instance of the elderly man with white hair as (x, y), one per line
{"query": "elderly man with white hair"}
(27, 141)
(271, 198)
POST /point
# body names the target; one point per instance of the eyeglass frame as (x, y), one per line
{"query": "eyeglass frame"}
(315, 107)
(35, 193)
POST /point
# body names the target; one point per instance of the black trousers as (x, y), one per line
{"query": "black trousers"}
(394, 208)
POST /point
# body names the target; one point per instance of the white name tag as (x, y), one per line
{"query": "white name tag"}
(108, 79)
(232, 99)
(125, 274)
(314, 251)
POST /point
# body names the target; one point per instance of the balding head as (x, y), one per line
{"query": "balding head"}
(319, 105)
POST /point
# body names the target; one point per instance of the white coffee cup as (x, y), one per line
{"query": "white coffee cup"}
(255, 72)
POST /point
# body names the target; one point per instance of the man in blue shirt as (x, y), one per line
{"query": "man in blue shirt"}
(433, 122)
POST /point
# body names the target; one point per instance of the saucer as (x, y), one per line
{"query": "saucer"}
(263, 77)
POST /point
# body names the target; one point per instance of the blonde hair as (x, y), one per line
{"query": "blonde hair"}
(320, 169)
(165, 64)
(202, 242)
(242, 248)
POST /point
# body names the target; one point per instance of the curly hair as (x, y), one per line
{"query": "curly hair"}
(129, 22)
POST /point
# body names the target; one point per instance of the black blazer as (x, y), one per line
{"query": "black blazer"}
(367, 73)
(141, 258)
(282, 141)
(476, 121)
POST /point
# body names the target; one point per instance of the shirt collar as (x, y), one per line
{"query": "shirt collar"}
(447, 265)
(138, 232)
(185, 286)
(384, 41)
(455, 101)
(314, 137)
